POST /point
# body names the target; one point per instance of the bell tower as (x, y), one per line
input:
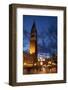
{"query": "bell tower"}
(33, 42)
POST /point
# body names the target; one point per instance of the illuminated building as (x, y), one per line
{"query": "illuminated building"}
(33, 43)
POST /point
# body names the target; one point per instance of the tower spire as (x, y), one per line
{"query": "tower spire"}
(33, 42)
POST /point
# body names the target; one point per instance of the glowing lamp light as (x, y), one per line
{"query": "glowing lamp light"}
(25, 63)
(41, 63)
(49, 62)
(35, 64)
(40, 58)
(31, 52)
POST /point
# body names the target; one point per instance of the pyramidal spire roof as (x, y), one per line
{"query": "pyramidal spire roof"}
(34, 26)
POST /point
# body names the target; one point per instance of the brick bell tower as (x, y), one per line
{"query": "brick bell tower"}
(33, 43)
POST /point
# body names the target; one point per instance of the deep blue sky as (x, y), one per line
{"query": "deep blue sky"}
(46, 33)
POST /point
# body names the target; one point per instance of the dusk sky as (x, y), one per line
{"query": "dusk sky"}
(46, 33)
